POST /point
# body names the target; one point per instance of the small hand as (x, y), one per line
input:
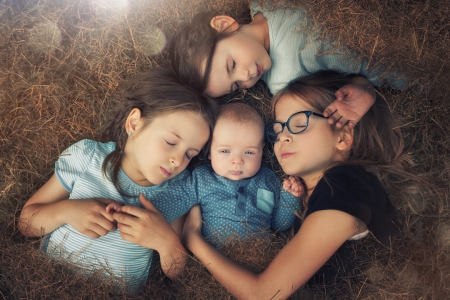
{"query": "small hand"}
(352, 102)
(145, 227)
(293, 185)
(114, 207)
(90, 218)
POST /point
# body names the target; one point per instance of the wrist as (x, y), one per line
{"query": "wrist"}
(193, 238)
(63, 211)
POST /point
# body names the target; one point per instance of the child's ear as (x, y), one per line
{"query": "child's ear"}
(134, 120)
(224, 23)
(345, 139)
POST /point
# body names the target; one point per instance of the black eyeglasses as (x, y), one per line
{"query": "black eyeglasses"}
(297, 123)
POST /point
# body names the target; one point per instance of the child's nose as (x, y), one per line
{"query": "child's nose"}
(176, 160)
(244, 75)
(285, 136)
(237, 160)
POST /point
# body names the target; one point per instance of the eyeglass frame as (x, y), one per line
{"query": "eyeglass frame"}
(308, 113)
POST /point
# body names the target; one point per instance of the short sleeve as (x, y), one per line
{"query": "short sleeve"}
(353, 190)
(73, 162)
(340, 190)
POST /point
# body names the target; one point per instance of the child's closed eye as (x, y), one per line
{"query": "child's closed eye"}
(249, 152)
(224, 151)
(169, 143)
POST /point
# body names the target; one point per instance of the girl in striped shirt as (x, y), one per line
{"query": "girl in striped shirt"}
(144, 152)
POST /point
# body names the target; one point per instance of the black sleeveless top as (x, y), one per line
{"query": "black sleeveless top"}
(353, 190)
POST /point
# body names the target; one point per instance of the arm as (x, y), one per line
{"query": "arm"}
(287, 205)
(352, 102)
(321, 234)
(49, 209)
(148, 228)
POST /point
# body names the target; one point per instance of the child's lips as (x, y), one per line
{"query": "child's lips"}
(236, 172)
(286, 154)
(165, 172)
(258, 69)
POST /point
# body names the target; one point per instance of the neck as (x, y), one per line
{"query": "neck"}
(311, 182)
(259, 29)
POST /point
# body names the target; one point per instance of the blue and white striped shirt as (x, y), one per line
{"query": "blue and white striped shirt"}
(79, 169)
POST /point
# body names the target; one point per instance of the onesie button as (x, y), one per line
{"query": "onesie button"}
(241, 189)
(241, 205)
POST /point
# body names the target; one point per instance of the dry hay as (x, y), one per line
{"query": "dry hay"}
(62, 63)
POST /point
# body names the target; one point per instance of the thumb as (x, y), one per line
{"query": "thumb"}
(146, 203)
(341, 93)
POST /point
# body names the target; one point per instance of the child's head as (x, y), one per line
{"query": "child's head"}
(237, 142)
(162, 124)
(216, 56)
(310, 153)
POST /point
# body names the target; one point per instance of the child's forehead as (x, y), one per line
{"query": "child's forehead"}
(237, 132)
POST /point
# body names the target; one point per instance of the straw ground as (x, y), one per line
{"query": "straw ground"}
(63, 64)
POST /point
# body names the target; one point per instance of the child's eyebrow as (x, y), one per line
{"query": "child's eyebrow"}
(182, 139)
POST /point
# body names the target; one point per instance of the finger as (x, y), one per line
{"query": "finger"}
(108, 216)
(113, 207)
(91, 234)
(286, 184)
(124, 217)
(125, 228)
(105, 221)
(342, 92)
(147, 204)
(341, 122)
(293, 180)
(99, 229)
(351, 124)
(330, 110)
(127, 237)
(334, 118)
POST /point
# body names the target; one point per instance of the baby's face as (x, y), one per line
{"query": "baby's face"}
(236, 149)
(238, 63)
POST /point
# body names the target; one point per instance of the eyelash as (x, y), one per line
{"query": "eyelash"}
(187, 155)
(234, 65)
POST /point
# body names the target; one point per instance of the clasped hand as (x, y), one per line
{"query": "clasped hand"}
(146, 226)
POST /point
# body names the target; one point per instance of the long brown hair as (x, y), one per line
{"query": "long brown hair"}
(154, 93)
(378, 142)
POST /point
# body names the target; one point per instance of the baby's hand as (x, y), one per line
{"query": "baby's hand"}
(114, 207)
(292, 185)
(351, 104)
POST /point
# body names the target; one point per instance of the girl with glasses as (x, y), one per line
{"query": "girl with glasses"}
(144, 153)
(347, 176)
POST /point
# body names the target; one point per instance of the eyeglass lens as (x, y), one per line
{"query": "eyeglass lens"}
(296, 124)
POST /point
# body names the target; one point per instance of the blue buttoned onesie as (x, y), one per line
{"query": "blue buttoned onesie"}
(243, 207)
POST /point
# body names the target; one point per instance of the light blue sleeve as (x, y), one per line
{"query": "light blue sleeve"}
(177, 196)
(73, 162)
(284, 211)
